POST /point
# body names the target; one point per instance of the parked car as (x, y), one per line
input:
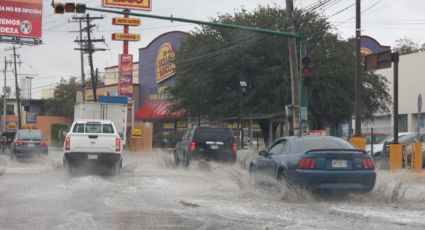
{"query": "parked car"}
(6, 139)
(315, 163)
(378, 147)
(206, 142)
(95, 142)
(27, 143)
(407, 139)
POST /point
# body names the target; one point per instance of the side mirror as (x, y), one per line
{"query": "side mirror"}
(263, 153)
(121, 136)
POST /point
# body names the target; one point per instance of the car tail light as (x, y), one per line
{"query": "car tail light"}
(234, 147)
(193, 146)
(368, 164)
(67, 143)
(117, 144)
(17, 143)
(43, 143)
(307, 163)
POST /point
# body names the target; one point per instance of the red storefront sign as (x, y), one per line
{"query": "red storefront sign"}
(126, 77)
(21, 18)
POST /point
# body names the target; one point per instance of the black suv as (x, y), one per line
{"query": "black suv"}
(206, 142)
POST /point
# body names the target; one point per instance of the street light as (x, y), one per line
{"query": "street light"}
(243, 85)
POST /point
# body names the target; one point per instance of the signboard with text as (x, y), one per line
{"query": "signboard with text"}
(165, 66)
(128, 4)
(21, 18)
(125, 37)
(126, 21)
(126, 77)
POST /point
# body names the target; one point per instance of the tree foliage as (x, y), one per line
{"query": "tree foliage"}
(64, 97)
(212, 61)
(408, 46)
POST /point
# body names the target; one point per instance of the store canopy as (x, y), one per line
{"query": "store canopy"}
(157, 110)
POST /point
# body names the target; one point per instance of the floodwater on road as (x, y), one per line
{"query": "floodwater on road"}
(150, 193)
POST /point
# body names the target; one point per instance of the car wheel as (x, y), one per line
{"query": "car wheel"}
(176, 159)
(115, 170)
(252, 176)
(186, 160)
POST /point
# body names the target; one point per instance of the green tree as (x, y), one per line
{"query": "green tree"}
(408, 46)
(64, 97)
(212, 61)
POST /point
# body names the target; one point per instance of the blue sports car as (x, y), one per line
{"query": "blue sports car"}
(315, 163)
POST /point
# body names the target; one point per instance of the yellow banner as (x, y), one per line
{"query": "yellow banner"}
(125, 37)
(128, 4)
(126, 21)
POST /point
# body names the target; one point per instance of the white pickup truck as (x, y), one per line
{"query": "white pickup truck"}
(91, 142)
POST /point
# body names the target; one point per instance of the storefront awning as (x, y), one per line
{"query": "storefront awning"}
(157, 110)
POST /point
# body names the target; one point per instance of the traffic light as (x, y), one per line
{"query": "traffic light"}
(306, 70)
(69, 7)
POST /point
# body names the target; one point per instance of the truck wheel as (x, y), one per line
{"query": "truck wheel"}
(176, 159)
(116, 169)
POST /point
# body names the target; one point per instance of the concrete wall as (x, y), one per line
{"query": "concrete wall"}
(44, 123)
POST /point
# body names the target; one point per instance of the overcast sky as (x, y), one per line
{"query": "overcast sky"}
(385, 20)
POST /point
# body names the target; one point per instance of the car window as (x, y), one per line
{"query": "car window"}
(30, 135)
(277, 148)
(213, 134)
(107, 128)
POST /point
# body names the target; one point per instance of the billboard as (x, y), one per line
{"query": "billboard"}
(128, 4)
(21, 18)
(126, 77)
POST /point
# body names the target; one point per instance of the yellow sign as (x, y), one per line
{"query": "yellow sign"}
(128, 4)
(125, 37)
(165, 67)
(126, 21)
(136, 133)
(11, 126)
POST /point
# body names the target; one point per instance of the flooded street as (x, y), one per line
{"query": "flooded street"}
(151, 194)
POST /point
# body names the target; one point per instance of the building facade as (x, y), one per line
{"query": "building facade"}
(157, 72)
(411, 84)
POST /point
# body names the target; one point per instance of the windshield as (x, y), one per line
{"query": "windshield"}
(213, 134)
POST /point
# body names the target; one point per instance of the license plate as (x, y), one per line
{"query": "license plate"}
(31, 145)
(214, 146)
(92, 157)
(339, 163)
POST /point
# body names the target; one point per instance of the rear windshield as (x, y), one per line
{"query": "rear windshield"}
(30, 135)
(303, 145)
(93, 128)
(213, 134)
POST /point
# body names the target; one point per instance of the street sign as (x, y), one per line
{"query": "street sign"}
(381, 60)
(126, 21)
(125, 37)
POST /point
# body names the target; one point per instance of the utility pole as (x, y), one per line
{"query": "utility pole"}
(89, 49)
(4, 97)
(18, 101)
(357, 139)
(293, 61)
(83, 77)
